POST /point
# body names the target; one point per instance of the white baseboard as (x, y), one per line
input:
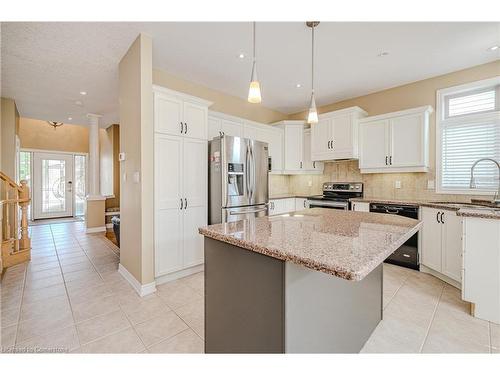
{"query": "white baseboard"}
(178, 274)
(95, 229)
(142, 290)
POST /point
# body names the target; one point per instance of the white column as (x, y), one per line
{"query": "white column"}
(94, 191)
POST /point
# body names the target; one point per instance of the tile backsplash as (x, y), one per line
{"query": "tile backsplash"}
(376, 185)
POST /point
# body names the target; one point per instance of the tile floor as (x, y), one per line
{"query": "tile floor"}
(70, 298)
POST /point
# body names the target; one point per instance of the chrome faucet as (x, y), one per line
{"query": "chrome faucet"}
(496, 198)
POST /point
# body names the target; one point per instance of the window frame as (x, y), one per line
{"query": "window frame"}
(442, 119)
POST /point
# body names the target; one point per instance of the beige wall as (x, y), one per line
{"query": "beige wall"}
(136, 140)
(38, 134)
(94, 214)
(9, 125)
(414, 185)
(224, 103)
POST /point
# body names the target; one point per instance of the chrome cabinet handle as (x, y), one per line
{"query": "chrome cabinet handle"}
(442, 221)
(185, 203)
(390, 160)
(181, 203)
(314, 164)
(185, 128)
(386, 159)
(329, 145)
(332, 144)
(300, 165)
(304, 203)
(182, 127)
(437, 216)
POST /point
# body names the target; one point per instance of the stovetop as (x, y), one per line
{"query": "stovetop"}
(340, 191)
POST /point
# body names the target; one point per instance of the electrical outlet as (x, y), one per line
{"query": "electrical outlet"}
(431, 184)
(309, 183)
(397, 184)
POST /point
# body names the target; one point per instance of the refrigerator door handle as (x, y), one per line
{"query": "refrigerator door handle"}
(247, 170)
(247, 212)
(252, 161)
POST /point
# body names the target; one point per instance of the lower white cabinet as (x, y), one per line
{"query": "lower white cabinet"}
(281, 206)
(360, 206)
(300, 204)
(442, 246)
(180, 202)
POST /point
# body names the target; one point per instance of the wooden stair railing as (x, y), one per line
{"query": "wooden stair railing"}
(16, 244)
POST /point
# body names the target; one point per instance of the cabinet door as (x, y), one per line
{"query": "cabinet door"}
(320, 138)
(300, 204)
(231, 128)
(293, 147)
(373, 151)
(431, 239)
(307, 162)
(168, 114)
(341, 135)
(275, 142)
(195, 121)
(214, 128)
(168, 194)
(452, 245)
(194, 217)
(407, 141)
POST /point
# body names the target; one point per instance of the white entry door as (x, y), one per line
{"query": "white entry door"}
(52, 185)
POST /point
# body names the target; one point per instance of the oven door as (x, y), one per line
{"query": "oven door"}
(337, 205)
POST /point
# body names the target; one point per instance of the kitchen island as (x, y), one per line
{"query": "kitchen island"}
(305, 282)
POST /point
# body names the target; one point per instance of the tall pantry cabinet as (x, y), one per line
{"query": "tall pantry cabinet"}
(180, 170)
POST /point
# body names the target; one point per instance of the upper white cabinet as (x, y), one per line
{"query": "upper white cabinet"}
(297, 149)
(335, 136)
(180, 114)
(395, 142)
(218, 126)
(273, 136)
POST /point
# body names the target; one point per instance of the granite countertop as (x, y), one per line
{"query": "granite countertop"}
(345, 244)
(464, 209)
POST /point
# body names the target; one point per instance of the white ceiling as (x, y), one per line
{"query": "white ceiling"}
(46, 65)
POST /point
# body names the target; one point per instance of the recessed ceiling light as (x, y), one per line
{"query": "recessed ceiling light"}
(493, 48)
(298, 85)
(241, 55)
(70, 118)
(83, 92)
(382, 54)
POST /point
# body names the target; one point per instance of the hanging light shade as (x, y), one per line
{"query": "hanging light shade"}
(55, 124)
(254, 95)
(312, 117)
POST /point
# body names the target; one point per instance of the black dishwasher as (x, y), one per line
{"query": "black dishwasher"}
(407, 254)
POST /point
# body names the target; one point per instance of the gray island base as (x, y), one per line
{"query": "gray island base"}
(258, 304)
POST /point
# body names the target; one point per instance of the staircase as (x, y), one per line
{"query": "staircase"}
(14, 202)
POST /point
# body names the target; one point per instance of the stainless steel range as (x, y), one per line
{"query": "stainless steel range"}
(336, 195)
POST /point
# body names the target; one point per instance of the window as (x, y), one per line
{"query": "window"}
(467, 129)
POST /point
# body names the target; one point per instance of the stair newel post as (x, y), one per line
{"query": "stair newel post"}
(24, 201)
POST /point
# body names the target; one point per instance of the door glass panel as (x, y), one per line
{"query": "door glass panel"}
(53, 186)
(25, 172)
(80, 186)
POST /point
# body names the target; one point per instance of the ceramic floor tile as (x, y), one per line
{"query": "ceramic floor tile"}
(9, 317)
(125, 341)
(495, 337)
(43, 325)
(45, 307)
(58, 341)
(196, 281)
(44, 293)
(87, 265)
(101, 326)
(94, 307)
(7, 337)
(185, 342)
(140, 309)
(176, 294)
(160, 328)
(43, 283)
(35, 275)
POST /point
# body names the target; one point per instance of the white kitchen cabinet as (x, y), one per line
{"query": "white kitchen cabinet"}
(298, 149)
(218, 126)
(273, 136)
(300, 204)
(481, 267)
(180, 175)
(442, 242)
(335, 136)
(360, 206)
(395, 142)
(180, 114)
(281, 206)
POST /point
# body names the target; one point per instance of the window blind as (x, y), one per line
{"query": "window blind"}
(462, 144)
(468, 103)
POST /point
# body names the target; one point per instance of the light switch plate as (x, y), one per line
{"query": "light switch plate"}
(137, 177)
(121, 156)
(309, 183)
(431, 184)
(397, 184)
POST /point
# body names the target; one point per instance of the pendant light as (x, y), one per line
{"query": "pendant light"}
(312, 117)
(254, 90)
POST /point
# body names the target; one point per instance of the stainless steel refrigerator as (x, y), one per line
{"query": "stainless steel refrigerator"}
(238, 179)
